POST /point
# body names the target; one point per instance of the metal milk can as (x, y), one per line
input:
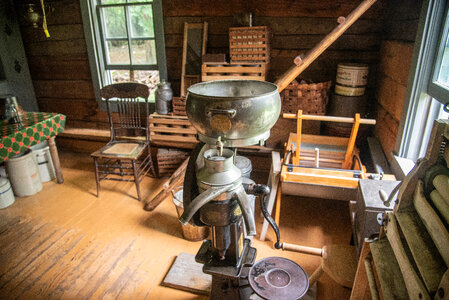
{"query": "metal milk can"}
(164, 96)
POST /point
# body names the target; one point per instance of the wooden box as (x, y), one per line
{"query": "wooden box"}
(249, 44)
(179, 106)
(172, 131)
(168, 160)
(214, 71)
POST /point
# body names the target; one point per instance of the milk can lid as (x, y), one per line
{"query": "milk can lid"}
(243, 163)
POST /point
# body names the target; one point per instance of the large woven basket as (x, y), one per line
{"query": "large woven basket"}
(311, 98)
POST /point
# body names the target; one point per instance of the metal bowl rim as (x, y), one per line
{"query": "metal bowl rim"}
(275, 90)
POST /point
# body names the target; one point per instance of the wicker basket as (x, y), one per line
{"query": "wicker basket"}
(311, 98)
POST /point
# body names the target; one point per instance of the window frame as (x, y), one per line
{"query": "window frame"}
(435, 89)
(420, 110)
(96, 49)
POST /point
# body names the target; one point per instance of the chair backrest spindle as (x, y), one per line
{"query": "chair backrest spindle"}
(126, 97)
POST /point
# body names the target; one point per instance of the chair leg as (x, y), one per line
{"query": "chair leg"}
(136, 179)
(96, 176)
(153, 171)
(121, 168)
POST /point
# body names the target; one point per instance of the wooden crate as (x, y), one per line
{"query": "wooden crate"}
(179, 106)
(172, 131)
(249, 44)
(213, 71)
(169, 159)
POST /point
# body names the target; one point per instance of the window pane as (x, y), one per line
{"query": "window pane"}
(119, 75)
(118, 52)
(144, 52)
(141, 21)
(115, 22)
(136, 1)
(150, 78)
(443, 73)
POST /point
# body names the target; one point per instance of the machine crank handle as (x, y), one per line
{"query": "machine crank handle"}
(263, 191)
(387, 199)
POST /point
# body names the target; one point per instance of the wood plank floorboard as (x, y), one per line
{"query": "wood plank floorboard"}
(65, 243)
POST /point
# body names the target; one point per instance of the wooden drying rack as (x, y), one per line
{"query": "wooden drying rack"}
(323, 160)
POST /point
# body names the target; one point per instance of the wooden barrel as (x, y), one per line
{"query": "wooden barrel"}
(351, 79)
(343, 106)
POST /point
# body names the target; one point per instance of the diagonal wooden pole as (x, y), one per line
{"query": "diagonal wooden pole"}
(302, 63)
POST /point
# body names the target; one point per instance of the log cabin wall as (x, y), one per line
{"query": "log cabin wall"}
(62, 80)
(296, 27)
(400, 29)
(59, 65)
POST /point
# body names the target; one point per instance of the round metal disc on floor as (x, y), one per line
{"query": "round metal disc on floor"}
(278, 278)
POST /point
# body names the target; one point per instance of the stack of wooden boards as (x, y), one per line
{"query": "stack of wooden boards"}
(410, 258)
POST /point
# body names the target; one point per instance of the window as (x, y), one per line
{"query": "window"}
(125, 40)
(428, 86)
(439, 83)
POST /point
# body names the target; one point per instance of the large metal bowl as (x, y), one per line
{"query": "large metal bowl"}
(241, 112)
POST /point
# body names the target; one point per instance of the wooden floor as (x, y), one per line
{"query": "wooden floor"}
(65, 243)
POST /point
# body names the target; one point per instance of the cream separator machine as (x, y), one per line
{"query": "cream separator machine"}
(229, 114)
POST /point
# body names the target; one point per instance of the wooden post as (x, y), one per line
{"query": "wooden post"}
(313, 54)
(273, 182)
(55, 158)
(360, 288)
(298, 137)
(351, 142)
(277, 214)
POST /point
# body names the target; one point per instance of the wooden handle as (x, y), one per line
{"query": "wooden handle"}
(313, 54)
(175, 179)
(330, 119)
(298, 60)
(302, 249)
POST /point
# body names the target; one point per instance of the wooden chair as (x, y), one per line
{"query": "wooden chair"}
(128, 152)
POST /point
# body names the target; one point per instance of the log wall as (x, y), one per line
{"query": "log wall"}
(59, 65)
(296, 27)
(395, 59)
(61, 76)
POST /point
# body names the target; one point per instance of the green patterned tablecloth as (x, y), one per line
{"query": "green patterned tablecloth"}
(36, 127)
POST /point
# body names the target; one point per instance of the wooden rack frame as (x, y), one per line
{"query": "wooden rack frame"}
(323, 160)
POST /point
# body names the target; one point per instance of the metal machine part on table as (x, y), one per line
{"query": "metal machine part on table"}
(227, 114)
(278, 277)
(367, 213)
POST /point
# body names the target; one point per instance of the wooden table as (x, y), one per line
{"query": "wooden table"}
(36, 127)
